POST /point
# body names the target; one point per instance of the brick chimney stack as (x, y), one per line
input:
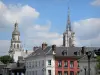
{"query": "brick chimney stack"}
(83, 51)
(54, 48)
(44, 45)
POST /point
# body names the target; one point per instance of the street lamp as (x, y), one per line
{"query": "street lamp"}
(89, 56)
(85, 67)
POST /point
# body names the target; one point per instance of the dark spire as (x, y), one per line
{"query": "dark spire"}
(68, 27)
(16, 26)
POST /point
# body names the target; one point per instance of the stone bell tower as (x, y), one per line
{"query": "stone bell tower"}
(15, 47)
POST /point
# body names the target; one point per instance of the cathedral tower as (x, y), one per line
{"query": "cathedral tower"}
(68, 35)
(15, 47)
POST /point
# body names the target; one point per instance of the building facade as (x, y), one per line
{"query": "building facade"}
(40, 63)
(66, 66)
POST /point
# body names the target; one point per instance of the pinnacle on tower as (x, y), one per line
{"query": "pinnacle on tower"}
(16, 26)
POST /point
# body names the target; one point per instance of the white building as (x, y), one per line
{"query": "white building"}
(40, 63)
(16, 47)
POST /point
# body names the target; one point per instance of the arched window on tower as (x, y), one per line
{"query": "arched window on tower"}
(14, 45)
(18, 37)
(17, 45)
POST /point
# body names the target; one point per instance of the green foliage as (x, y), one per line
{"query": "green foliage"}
(98, 60)
(6, 59)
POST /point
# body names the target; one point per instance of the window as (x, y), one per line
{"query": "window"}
(65, 63)
(36, 72)
(33, 73)
(42, 62)
(49, 62)
(65, 72)
(14, 45)
(59, 63)
(33, 63)
(30, 64)
(78, 73)
(71, 73)
(36, 63)
(71, 64)
(78, 63)
(17, 45)
(49, 72)
(39, 63)
(59, 72)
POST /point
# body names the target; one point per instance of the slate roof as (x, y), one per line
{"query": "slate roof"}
(14, 65)
(1, 67)
(59, 50)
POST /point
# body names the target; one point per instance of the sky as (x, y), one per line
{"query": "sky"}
(45, 21)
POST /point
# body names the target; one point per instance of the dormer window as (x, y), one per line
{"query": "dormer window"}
(64, 53)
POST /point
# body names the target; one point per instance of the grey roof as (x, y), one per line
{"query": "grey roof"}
(11, 65)
(14, 65)
(1, 67)
(59, 50)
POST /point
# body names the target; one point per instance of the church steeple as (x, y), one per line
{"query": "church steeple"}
(68, 27)
(68, 35)
(15, 46)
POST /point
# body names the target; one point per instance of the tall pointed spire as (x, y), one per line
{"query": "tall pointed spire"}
(68, 27)
(68, 36)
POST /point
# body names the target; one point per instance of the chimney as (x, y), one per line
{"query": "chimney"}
(53, 48)
(35, 48)
(83, 50)
(44, 45)
(26, 51)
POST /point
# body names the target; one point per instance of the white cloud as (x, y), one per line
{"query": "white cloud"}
(38, 34)
(87, 32)
(13, 13)
(96, 3)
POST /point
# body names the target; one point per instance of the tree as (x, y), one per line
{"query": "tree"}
(98, 60)
(6, 59)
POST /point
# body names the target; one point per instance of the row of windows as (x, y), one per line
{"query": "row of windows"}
(66, 73)
(38, 63)
(35, 64)
(66, 64)
(37, 72)
(50, 73)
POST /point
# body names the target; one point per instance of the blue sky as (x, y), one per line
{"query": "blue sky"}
(56, 11)
(45, 21)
